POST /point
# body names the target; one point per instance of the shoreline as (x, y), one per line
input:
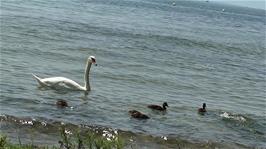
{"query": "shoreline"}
(48, 134)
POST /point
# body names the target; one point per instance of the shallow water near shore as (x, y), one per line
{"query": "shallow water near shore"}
(47, 132)
(148, 52)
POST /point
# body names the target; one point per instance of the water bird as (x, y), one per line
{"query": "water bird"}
(203, 109)
(65, 83)
(62, 103)
(157, 107)
(137, 114)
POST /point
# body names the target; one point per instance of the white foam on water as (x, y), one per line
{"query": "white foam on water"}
(234, 117)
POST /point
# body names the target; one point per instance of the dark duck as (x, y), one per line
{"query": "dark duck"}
(203, 109)
(61, 103)
(159, 108)
(137, 114)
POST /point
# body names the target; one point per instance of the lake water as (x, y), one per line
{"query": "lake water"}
(148, 52)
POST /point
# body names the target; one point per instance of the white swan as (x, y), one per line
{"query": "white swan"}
(65, 83)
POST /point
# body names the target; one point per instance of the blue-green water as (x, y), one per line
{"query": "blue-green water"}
(148, 52)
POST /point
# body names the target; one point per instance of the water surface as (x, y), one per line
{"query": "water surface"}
(148, 52)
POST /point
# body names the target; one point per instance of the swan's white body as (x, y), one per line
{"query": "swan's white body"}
(65, 83)
(59, 82)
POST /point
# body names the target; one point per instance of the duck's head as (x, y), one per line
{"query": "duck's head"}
(92, 59)
(165, 104)
(204, 105)
(62, 103)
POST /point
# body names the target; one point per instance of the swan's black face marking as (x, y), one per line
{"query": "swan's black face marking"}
(93, 60)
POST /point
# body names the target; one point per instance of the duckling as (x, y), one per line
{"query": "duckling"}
(137, 114)
(203, 109)
(157, 107)
(61, 103)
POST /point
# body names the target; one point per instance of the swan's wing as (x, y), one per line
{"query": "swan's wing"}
(61, 82)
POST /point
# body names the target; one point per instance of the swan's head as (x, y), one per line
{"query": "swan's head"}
(92, 59)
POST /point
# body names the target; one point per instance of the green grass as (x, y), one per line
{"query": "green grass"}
(5, 144)
(88, 140)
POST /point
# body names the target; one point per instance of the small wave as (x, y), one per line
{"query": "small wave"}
(233, 117)
(246, 125)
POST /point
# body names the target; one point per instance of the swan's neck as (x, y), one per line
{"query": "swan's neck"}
(86, 76)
